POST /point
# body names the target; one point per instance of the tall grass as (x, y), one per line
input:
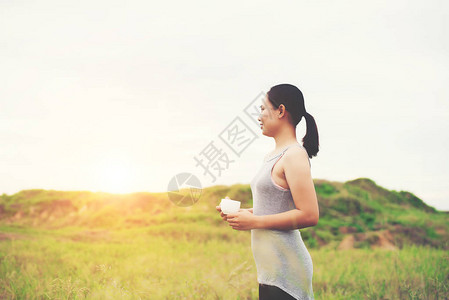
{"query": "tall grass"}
(196, 261)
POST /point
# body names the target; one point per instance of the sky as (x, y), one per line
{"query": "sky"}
(123, 97)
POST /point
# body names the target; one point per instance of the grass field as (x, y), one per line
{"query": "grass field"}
(196, 261)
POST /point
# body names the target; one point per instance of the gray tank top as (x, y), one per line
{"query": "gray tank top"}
(281, 256)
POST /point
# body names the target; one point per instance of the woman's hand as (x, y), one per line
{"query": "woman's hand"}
(242, 220)
(223, 216)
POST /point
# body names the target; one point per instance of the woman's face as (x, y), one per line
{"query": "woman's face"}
(267, 117)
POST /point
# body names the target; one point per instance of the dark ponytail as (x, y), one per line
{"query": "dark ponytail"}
(310, 141)
(293, 100)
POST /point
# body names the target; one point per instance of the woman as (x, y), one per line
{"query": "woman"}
(284, 199)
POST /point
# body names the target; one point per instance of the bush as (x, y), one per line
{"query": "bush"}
(325, 189)
(368, 219)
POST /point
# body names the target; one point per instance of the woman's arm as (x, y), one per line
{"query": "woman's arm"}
(283, 221)
(288, 220)
(299, 179)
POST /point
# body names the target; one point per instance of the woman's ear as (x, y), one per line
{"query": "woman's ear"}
(281, 109)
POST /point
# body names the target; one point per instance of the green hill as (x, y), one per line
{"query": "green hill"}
(353, 214)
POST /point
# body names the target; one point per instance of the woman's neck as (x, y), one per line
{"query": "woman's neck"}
(284, 140)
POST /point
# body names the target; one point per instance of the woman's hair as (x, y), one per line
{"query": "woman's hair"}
(293, 100)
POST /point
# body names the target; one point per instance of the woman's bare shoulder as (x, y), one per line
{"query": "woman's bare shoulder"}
(297, 153)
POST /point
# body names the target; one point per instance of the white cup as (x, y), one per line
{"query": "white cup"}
(229, 206)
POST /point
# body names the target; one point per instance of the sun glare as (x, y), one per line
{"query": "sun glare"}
(115, 175)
